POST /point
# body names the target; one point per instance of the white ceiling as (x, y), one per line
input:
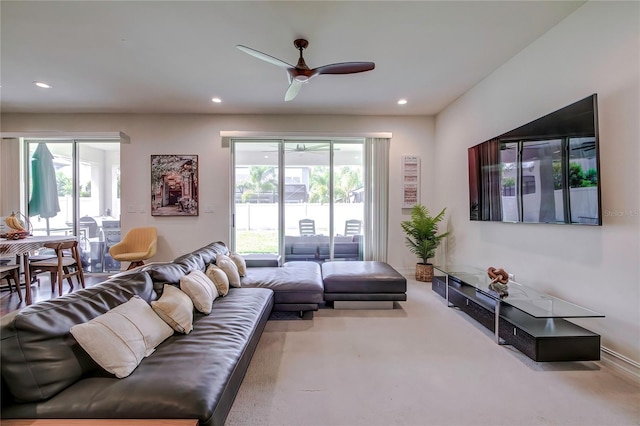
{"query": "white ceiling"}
(173, 57)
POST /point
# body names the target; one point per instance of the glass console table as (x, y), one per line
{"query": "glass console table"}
(532, 321)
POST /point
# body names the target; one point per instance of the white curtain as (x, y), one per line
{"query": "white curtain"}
(9, 177)
(377, 198)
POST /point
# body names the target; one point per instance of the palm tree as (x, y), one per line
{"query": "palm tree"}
(319, 185)
(262, 179)
(346, 182)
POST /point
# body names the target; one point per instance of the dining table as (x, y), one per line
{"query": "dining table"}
(23, 247)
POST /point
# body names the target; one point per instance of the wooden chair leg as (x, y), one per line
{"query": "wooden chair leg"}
(81, 275)
(135, 264)
(15, 276)
(16, 280)
(66, 273)
(60, 279)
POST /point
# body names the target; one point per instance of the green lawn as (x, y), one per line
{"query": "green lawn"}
(257, 242)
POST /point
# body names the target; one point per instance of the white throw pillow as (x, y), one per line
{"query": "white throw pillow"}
(175, 308)
(241, 264)
(119, 339)
(200, 289)
(219, 278)
(229, 267)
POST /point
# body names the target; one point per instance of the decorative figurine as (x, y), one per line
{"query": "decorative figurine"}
(500, 279)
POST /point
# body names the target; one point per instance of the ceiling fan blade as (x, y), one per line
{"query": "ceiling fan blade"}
(264, 56)
(345, 68)
(293, 90)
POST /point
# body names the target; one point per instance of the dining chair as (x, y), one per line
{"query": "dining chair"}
(65, 265)
(307, 226)
(138, 245)
(11, 272)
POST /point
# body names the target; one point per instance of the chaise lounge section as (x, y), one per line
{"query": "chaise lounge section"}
(364, 284)
(297, 286)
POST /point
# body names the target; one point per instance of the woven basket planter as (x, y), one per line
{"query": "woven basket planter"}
(424, 272)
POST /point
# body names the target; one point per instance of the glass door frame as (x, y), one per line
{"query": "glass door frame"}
(281, 143)
(76, 145)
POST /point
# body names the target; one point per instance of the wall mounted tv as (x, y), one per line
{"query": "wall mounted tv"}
(547, 171)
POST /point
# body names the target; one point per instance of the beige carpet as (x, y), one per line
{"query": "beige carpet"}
(421, 364)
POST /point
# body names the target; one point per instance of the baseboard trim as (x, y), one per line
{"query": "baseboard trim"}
(363, 304)
(621, 363)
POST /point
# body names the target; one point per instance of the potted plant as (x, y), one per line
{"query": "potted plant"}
(423, 238)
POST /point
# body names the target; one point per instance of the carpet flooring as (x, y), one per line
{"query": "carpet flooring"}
(419, 364)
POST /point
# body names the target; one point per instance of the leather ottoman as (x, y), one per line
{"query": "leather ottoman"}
(362, 284)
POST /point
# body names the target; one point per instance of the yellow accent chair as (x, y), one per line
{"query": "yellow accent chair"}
(138, 244)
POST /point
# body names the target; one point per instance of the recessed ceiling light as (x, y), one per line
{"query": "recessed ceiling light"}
(216, 100)
(42, 84)
(402, 101)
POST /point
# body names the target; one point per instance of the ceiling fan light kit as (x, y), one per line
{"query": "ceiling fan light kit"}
(301, 73)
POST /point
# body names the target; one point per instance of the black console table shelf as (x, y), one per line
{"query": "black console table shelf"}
(543, 339)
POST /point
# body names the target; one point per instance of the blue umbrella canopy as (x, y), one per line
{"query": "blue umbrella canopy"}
(44, 192)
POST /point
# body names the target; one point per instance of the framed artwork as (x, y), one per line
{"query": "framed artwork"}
(410, 181)
(174, 185)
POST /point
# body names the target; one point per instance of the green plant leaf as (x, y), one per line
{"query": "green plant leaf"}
(422, 232)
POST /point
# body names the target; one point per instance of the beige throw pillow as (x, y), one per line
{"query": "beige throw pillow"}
(175, 308)
(229, 267)
(119, 339)
(200, 289)
(241, 264)
(219, 278)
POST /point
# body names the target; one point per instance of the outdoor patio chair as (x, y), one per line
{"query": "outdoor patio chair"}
(90, 226)
(111, 238)
(307, 226)
(353, 227)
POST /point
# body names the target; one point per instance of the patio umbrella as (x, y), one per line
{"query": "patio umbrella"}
(44, 192)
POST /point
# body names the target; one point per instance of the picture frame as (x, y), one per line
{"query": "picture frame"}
(174, 185)
(410, 181)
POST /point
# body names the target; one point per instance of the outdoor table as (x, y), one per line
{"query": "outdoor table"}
(23, 247)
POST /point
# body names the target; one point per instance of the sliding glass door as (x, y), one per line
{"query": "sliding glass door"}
(307, 207)
(302, 199)
(74, 189)
(256, 201)
(348, 201)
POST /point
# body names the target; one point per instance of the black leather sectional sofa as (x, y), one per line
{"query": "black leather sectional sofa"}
(46, 374)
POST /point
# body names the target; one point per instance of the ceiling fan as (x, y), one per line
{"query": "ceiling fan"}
(300, 73)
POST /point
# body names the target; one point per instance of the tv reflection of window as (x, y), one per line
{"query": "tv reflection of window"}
(546, 171)
(528, 186)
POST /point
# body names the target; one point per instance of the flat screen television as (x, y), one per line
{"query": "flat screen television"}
(547, 171)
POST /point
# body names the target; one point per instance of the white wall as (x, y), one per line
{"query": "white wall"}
(594, 50)
(200, 134)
